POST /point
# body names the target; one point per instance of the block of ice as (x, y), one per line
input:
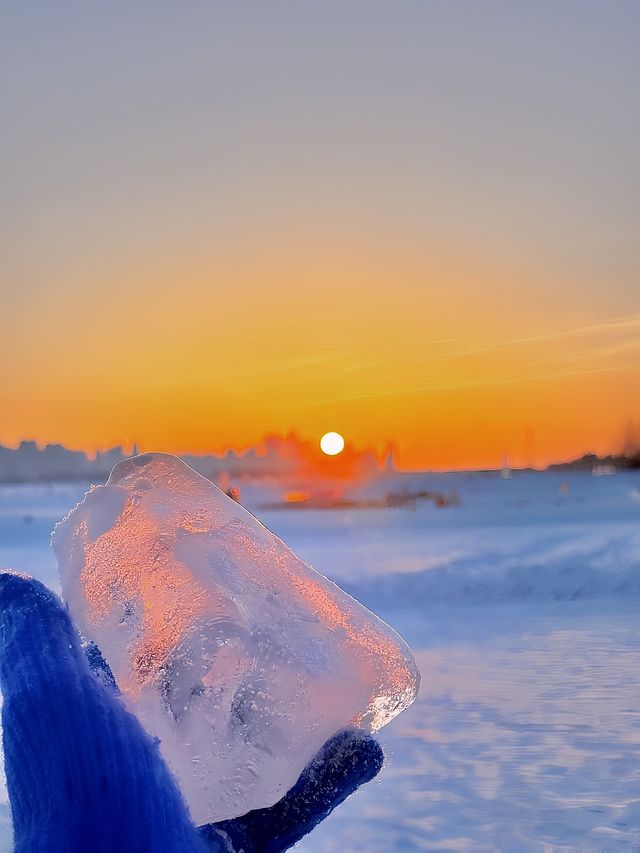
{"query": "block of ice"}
(241, 658)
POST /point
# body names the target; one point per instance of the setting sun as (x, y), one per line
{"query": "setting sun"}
(332, 443)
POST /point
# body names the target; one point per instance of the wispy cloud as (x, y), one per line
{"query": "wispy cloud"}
(600, 352)
(615, 325)
(290, 365)
(459, 386)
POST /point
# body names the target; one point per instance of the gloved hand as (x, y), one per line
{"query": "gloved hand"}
(84, 777)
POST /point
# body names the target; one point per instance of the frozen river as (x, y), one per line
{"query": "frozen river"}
(522, 607)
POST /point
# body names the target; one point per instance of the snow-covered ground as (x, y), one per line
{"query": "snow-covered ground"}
(521, 605)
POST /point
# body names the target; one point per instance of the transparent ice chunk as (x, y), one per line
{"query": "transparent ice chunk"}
(240, 657)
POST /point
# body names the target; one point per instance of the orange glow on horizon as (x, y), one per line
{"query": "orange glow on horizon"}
(454, 384)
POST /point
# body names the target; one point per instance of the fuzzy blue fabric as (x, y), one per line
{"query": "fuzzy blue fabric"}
(346, 761)
(84, 777)
(82, 774)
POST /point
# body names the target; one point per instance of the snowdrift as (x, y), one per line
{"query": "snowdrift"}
(606, 567)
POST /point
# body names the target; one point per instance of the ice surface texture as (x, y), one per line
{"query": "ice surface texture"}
(241, 658)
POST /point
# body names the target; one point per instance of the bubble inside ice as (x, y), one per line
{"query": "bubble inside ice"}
(240, 657)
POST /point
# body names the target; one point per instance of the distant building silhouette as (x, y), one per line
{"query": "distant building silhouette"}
(282, 458)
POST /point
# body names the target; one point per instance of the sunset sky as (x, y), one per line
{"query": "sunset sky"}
(407, 221)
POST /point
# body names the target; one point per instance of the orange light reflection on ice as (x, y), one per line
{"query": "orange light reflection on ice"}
(168, 593)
